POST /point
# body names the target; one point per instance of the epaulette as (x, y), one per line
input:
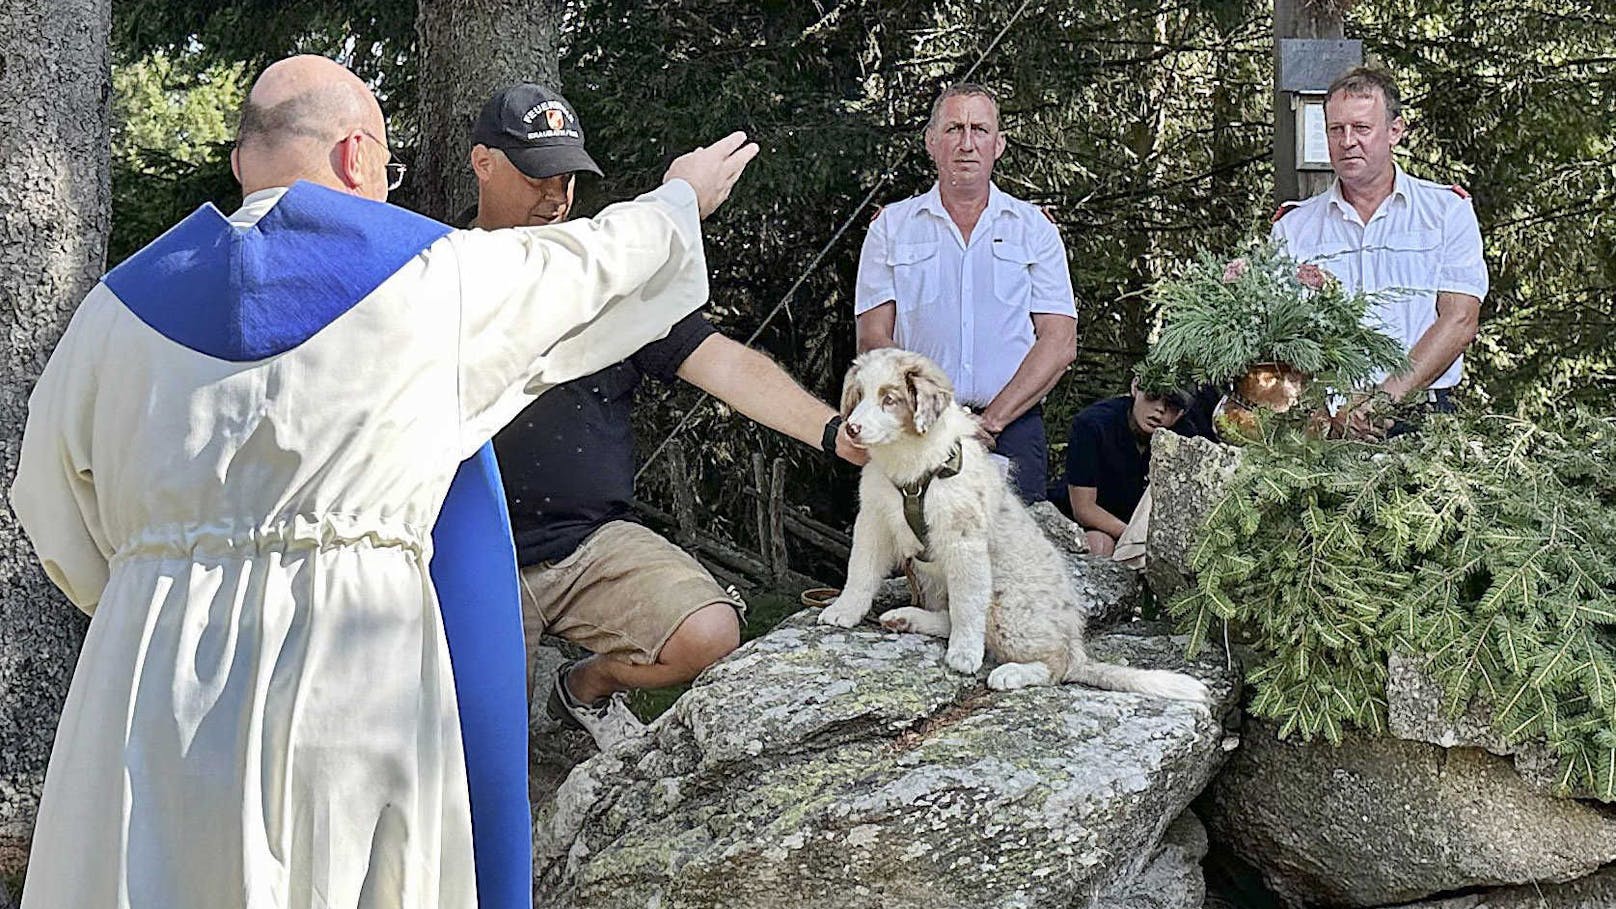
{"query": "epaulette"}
(1460, 191)
(1282, 211)
(877, 213)
(1049, 212)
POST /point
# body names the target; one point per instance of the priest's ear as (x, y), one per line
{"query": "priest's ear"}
(348, 160)
(235, 164)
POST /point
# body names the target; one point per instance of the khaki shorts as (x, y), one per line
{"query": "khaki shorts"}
(623, 591)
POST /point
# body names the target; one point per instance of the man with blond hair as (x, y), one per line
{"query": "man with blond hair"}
(1415, 243)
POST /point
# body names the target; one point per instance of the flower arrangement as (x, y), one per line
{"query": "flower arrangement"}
(1221, 318)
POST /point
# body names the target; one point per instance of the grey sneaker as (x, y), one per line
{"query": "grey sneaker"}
(609, 721)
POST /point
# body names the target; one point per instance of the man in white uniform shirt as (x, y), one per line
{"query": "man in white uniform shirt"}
(1378, 229)
(976, 280)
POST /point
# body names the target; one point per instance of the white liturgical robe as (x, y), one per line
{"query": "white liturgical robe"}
(263, 714)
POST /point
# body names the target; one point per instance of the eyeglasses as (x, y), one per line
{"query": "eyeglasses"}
(395, 169)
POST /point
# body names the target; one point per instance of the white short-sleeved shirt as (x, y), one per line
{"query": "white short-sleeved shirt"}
(967, 306)
(1423, 240)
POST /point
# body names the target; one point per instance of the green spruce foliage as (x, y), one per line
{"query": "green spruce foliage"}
(1221, 316)
(1485, 545)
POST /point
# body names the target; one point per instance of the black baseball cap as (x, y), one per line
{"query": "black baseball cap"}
(537, 129)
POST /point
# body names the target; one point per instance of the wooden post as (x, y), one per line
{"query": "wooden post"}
(1317, 19)
(776, 557)
(684, 499)
(760, 510)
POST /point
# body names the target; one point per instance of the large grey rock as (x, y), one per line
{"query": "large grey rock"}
(1061, 530)
(1381, 820)
(1416, 709)
(1173, 879)
(1596, 891)
(1188, 476)
(817, 767)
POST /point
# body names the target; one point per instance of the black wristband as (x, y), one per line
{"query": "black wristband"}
(827, 441)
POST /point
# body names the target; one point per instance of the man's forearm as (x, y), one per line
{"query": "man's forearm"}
(877, 327)
(1092, 517)
(1454, 329)
(1040, 369)
(756, 386)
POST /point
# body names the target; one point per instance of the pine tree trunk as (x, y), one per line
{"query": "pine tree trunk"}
(469, 49)
(54, 216)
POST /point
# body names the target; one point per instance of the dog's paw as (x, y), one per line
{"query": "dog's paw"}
(964, 657)
(903, 620)
(843, 613)
(1011, 676)
(913, 620)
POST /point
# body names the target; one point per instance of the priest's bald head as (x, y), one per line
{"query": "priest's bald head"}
(309, 118)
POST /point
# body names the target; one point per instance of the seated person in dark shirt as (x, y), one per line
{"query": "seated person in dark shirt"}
(649, 612)
(1108, 459)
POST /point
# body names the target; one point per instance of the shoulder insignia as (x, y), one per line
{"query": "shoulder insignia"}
(1049, 212)
(877, 213)
(1283, 210)
(1460, 191)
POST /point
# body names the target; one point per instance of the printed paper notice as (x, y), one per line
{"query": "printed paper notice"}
(1315, 144)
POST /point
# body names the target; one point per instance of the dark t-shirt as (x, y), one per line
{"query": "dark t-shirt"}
(1101, 451)
(568, 459)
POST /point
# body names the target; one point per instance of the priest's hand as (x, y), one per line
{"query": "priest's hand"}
(713, 169)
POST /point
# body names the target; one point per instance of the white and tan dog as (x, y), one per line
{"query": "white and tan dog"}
(989, 577)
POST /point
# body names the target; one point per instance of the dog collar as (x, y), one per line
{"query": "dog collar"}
(914, 493)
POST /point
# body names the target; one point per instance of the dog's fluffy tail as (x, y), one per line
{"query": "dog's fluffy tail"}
(1159, 683)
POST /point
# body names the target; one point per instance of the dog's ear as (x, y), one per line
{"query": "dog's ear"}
(930, 392)
(852, 393)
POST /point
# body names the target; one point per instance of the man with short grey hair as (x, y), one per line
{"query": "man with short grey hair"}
(977, 280)
(1414, 242)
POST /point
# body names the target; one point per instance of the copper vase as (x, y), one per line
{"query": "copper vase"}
(1272, 386)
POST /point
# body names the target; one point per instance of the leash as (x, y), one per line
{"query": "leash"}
(914, 493)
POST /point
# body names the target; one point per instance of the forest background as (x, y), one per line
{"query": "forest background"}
(1145, 127)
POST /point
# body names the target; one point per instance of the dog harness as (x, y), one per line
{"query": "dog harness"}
(914, 493)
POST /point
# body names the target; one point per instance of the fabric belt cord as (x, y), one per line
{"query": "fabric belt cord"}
(914, 494)
(474, 571)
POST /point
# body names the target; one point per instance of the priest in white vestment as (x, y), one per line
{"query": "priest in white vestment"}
(234, 460)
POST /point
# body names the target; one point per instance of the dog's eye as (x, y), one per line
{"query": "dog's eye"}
(889, 399)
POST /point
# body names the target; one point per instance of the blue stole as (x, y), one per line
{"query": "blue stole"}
(242, 295)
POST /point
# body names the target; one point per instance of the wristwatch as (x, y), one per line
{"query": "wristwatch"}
(827, 441)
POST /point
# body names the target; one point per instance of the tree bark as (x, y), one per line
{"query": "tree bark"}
(1299, 19)
(470, 49)
(55, 198)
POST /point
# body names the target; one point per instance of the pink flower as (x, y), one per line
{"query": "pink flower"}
(1312, 275)
(1233, 271)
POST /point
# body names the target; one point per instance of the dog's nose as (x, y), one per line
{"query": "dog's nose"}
(852, 430)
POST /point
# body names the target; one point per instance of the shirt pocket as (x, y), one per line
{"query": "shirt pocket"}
(915, 278)
(1012, 273)
(1413, 261)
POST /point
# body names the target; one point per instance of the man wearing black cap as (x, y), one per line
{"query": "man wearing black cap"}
(527, 149)
(651, 614)
(1108, 458)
